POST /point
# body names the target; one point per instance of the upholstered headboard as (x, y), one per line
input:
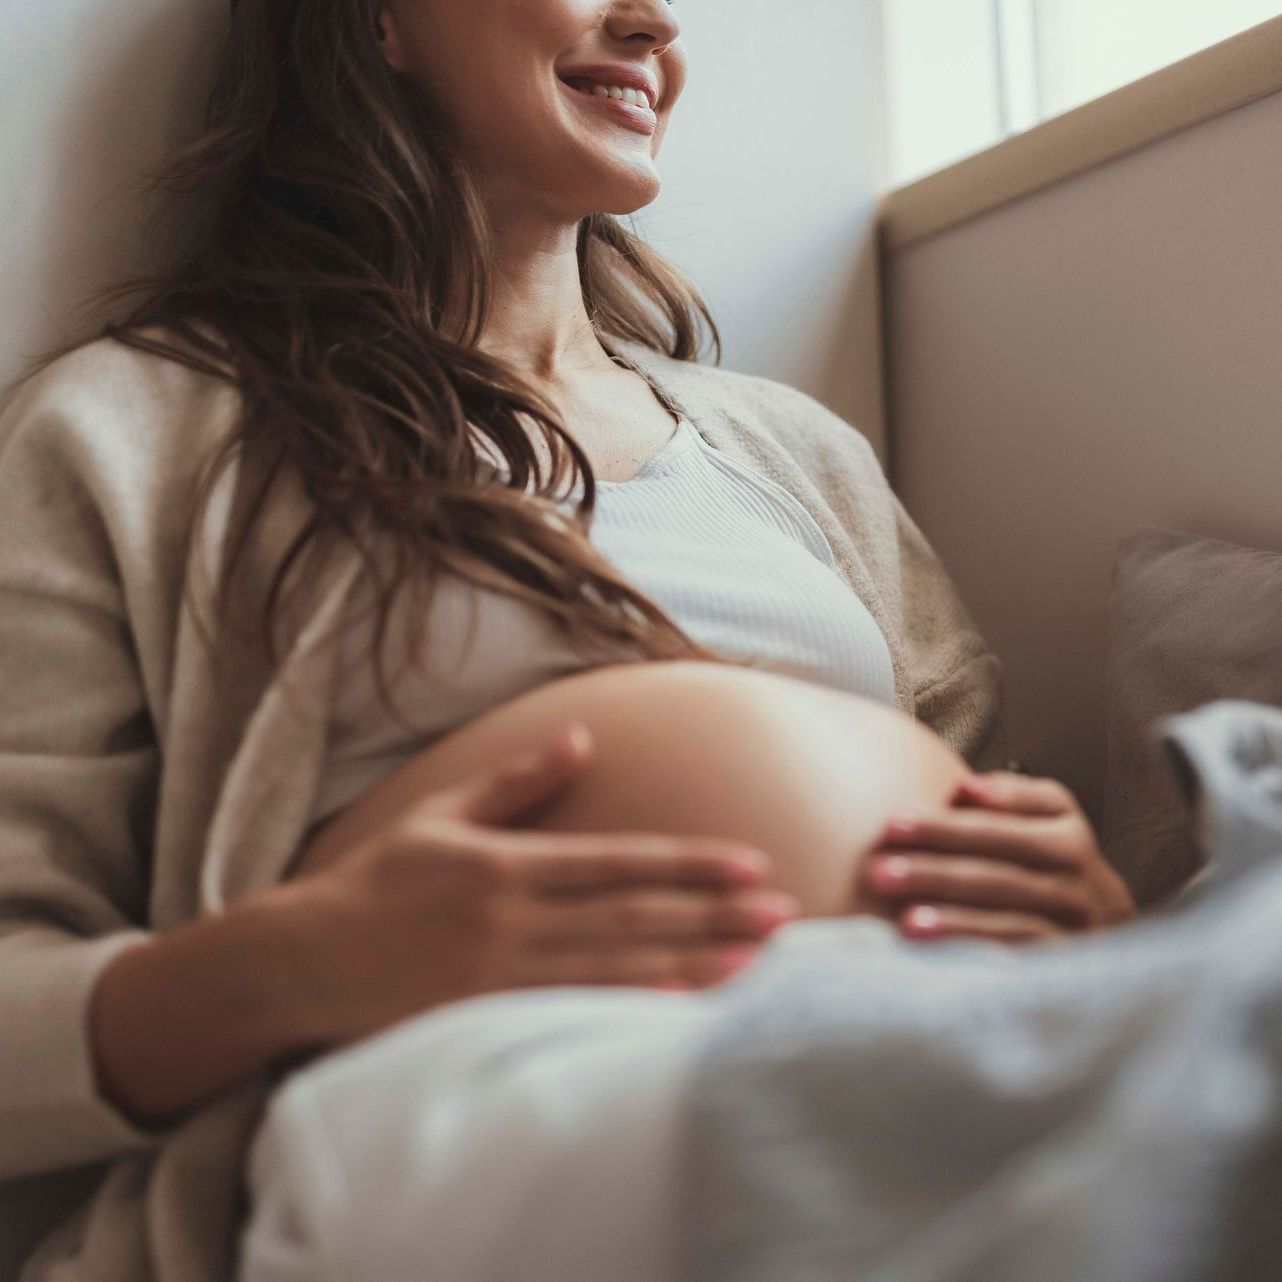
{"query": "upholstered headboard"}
(1096, 353)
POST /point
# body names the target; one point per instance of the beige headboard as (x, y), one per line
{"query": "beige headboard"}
(1102, 349)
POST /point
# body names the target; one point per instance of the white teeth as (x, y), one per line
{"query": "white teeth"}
(633, 96)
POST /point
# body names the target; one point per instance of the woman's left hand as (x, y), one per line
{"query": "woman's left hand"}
(1012, 859)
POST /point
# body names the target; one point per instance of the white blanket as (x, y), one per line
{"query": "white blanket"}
(852, 1106)
(529, 1135)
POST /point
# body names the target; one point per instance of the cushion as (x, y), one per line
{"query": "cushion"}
(1191, 620)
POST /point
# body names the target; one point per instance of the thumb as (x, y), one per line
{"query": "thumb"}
(501, 794)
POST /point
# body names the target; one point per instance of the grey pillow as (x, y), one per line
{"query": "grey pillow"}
(1191, 620)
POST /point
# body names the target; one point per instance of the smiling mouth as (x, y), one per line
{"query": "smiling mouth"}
(627, 115)
(626, 97)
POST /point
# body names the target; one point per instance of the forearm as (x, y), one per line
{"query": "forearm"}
(177, 1019)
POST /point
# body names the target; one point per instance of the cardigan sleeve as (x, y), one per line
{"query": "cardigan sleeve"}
(78, 772)
(957, 681)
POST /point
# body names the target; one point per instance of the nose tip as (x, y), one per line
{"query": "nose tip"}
(659, 25)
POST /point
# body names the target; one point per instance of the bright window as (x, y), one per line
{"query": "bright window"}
(963, 74)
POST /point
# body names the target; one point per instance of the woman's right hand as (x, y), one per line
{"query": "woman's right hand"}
(442, 904)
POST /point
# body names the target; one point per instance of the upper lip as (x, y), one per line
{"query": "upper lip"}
(627, 75)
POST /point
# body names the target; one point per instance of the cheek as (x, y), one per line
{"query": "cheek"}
(503, 94)
(674, 68)
(467, 54)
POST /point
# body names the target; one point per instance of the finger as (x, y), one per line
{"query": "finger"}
(977, 883)
(947, 921)
(648, 964)
(568, 862)
(500, 795)
(1019, 839)
(682, 915)
(1021, 794)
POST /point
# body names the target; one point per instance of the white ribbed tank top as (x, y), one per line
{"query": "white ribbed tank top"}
(729, 554)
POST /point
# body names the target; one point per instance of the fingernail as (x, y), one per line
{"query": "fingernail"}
(747, 869)
(901, 826)
(924, 920)
(893, 871)
(736, 958)
(773, 912)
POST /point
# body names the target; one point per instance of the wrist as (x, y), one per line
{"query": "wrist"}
(282, 953)
(187, 1013)
(292, 946)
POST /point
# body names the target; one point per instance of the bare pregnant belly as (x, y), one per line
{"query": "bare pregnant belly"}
(806, 773)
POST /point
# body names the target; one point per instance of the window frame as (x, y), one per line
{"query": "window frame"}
(1216, 80)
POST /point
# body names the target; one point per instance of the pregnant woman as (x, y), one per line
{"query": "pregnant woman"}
(292, 580)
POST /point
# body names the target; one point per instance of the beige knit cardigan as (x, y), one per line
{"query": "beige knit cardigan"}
(142, 785)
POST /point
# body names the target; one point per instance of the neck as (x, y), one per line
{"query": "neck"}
(538, 321)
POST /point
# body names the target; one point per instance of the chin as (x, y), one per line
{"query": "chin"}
(626, 197)
(622, 208)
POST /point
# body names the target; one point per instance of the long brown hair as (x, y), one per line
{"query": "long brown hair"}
(339, 277)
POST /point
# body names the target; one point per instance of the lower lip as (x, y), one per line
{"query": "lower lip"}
(636, 118)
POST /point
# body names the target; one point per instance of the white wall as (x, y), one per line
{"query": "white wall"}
(772, 166)
(91, 92)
